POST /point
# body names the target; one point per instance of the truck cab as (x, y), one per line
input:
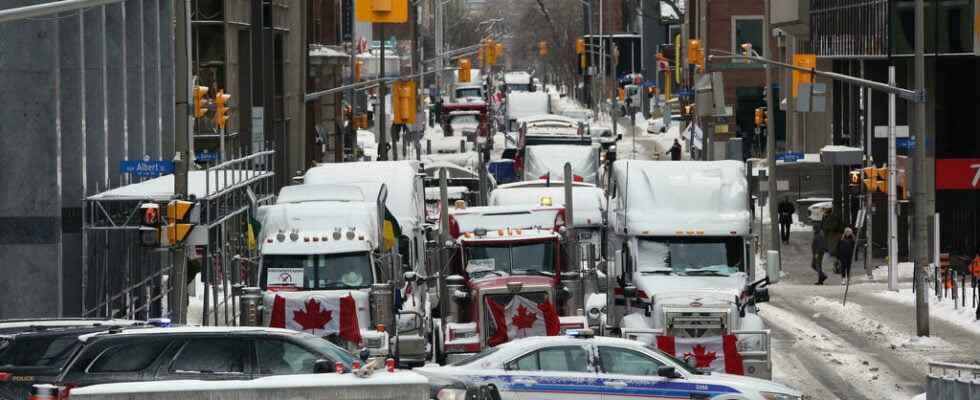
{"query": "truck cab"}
(509, 278)
(319, 270)
(684, 267)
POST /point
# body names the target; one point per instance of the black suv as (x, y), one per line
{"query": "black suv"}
(38, 356)
(217, 353)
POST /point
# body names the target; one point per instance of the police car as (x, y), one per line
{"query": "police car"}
(581, 366)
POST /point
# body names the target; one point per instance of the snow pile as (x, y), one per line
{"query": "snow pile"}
(964, 317)
(904, 270)
(862, 371)
(853, 315)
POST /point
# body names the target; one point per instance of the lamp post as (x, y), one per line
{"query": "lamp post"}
(585, 72)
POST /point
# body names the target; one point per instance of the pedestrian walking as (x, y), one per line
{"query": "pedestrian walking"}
(786, 211)
(675, 151)
(818, 246)
(845, 253)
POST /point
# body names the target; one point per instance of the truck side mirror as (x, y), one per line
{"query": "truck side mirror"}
(772, 266)
(667, 371)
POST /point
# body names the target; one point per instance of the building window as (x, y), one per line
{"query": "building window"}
(747, 29)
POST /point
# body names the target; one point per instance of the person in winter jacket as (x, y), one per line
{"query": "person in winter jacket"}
(818, 247)
(845, 253)
(675, 151)
(786, 211)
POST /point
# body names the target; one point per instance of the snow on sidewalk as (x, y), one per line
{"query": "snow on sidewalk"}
(854, 367)
(964, 317)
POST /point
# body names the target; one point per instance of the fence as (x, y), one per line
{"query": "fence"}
(948, 381)
(123, 279)
(950, 284)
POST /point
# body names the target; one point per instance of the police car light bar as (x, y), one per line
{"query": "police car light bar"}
(586, 333)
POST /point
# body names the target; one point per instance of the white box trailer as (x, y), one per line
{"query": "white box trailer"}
(683, 234)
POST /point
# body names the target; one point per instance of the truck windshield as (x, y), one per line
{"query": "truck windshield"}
(317, 271)
(471, 92)
(510, 259)
(690, 255)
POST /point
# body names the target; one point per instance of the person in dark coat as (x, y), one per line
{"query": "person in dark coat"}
(845, 253)
(818, 247)
(675, 151)
(786, 211)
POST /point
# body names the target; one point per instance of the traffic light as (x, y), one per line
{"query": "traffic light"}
(199, 101)
(761, 118)
(150, 225)
(580, 46)
(357, 70)
(695, 54)
(622, 94)
(221, 108)
(583, 62)
(490, 54)
(403, 97)
(870, 178)
(498, 49)
(181, 217)
(464, 69)
(381, 11)
(543, 48)
(882, 182)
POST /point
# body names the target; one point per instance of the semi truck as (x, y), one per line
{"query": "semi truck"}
(684, 260)
(509, 279)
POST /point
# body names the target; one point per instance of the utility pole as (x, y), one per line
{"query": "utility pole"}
(921, 217)
(770, 134)
(184, 128)
(892, 196)
(440, 59)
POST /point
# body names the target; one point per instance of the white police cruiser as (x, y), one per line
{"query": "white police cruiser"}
(580, 366)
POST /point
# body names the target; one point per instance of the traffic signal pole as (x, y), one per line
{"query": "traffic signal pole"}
(892, 198)
(382, 139)
(922, 209)
(770, 137)
(184, 128)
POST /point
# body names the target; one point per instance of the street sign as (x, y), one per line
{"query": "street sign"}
(685, 93)
(958, 174)
(146, 168)
(905, 143)
(789, 156)
(206, 156)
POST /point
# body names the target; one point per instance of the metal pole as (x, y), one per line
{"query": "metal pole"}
(770, 136)
(576, 264)
(921, 180)
(437, 4)
(182, 142)
(380, 111)
(868, 201)
(892, 198)
(54, 7)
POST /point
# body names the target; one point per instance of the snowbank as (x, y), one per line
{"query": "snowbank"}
(964, 317)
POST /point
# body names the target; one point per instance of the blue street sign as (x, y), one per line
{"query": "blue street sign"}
(789, 156)
(206, 156)
(648, 84)
(146, 168)
(906, 143)
(685, 93)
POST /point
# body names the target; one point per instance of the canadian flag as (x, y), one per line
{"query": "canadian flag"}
(715, 353)
(522, 318)
(317, 314)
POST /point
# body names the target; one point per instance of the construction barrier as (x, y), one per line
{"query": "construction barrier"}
(947, 381)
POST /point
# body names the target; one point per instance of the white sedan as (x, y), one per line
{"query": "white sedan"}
(580, 366)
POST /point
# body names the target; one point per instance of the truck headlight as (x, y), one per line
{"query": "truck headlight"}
(451, 394)
(594, 312)
(778, 396)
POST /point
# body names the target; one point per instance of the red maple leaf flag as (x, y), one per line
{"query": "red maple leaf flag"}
(701, 356)
(319, 313)
(716, 353)
(312, 317)
(523, 320)
(499, 321)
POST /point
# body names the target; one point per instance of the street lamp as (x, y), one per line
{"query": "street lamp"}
(588, 22)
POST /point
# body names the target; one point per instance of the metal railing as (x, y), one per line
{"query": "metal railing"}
(949, 381)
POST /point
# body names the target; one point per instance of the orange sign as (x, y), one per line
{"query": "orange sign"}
(804, 61)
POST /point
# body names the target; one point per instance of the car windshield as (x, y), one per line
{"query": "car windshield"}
(510, 259)
(317, 271)
(476, 357)
(39, 351)
(325, 347)
(690, 255)
(466, 119)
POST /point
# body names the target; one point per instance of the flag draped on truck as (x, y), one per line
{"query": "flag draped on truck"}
(316, 314)
(716, 353)
(522, 317)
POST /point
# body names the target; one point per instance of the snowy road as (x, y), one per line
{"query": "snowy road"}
(864, 350)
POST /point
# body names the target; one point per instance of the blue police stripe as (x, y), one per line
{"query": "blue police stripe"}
(633, 388)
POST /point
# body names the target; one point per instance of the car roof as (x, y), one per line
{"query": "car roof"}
(60, 331)
(186, 330)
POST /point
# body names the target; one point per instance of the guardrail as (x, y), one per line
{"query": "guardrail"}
(949, 381)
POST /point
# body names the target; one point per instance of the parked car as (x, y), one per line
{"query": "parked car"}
(38, 357)
(580, 365)
(12, 326)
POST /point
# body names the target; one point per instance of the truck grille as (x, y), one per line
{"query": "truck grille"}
(696, 324)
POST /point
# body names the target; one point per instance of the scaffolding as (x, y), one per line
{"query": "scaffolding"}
(121, 278)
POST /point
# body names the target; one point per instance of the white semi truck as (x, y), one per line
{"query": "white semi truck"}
(685, 269)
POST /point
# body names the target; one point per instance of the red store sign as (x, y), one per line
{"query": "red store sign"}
(958, 174)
